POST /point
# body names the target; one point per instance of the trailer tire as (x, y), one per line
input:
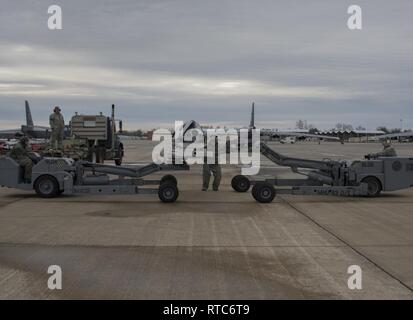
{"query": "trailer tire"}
(168, 192)
(240, 183)
(374, 186)
(169, 179)
(100, 156)
(263, 192)
(118, 162)
(121, 152)
(46, 186)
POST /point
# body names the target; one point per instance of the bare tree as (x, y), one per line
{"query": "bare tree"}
(300, 124)
(344, 127)
(384, 129)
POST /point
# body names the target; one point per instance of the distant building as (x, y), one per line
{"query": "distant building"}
(353, 135)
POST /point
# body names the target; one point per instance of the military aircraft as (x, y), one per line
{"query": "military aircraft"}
(29, 129)
(192, 124)
(271, 132)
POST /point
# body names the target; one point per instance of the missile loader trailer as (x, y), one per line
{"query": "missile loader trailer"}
(54, 176)
(329, 177)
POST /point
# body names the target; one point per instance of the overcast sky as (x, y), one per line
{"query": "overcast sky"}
(161, 61)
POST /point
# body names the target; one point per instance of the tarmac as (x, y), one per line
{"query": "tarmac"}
(210, 245)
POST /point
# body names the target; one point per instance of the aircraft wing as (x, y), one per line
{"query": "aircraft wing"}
(304, 135)
(9, 133)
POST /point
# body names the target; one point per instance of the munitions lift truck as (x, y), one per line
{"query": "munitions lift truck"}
(367, 177)
(54, 176)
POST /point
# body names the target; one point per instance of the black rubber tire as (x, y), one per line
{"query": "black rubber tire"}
(263, 192)
(240, 183)
(168, 192)
(47, 187)
(169, 179)
(100, 156)
(121, 152)
(91, 156)
(374, 186)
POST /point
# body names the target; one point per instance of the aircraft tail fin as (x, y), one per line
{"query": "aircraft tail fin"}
(252, 120)
(29, 119)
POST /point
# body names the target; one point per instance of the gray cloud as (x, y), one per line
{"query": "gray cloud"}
(161, 61)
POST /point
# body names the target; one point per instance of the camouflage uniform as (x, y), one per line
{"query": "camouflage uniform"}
(388, 151)
(213, 168)
(57, 124)
(20, 153)
(207, 169)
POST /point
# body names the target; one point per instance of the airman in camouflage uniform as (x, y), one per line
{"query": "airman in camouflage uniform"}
(207, 169)
(21, 154)
(57, 124)
(388, 151)
(213, 168)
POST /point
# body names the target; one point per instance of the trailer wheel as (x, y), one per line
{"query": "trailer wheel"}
(374, 187)
(100, 156)
(168, 192)
(47, 187)
(121, 152)
(263, 192)
(240, 183)
(169, 179)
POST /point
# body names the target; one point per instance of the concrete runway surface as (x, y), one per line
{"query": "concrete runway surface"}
(209, 245)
